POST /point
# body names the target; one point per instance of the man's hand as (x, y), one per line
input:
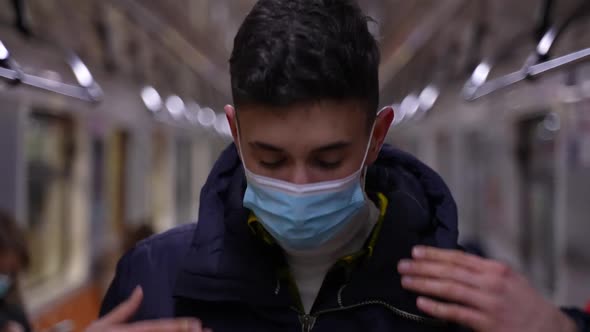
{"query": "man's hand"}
(115, 320)
(485, 295)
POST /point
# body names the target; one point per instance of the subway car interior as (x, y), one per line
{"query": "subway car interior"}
(111, 117)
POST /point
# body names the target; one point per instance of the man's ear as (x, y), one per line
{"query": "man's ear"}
(382, 124)
(230, 113)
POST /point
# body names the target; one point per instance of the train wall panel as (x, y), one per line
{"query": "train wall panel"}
(11, 139)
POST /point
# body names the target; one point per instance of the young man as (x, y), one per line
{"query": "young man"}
(309, 223)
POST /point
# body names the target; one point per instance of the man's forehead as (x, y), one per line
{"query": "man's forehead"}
(309, 106)
(310, 115)
(320, 147)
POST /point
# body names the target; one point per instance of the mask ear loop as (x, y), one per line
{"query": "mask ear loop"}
(364, 179)
(239, 141)
(366, 168)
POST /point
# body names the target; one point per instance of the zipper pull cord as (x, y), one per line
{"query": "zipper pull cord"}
(340, 295)
(307, 322)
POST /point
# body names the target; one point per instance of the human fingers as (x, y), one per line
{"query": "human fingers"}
(457, 257)
(451, 291)
(163, 325)
(433, 269)
(455, 313)
(125, 310)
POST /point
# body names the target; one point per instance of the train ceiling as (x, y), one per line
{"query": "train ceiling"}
(422, 41)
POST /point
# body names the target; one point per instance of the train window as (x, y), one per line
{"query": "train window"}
(481, 184)
(407, 143)
(183, 174)
(574, 212)
(444, 155)
(97, 213)
(116, 181)
(49, 154)
(474, 176)
(162, 202)
(536, 157)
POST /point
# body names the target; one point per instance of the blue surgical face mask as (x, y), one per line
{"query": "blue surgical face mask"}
(5, 285)
(302, 217)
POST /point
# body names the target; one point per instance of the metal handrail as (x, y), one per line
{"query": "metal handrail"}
(535, 65)
(87, 90)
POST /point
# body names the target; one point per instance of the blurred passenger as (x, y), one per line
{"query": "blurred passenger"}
(306, 220)
(105, 263)
(135, 233)
(14, 257)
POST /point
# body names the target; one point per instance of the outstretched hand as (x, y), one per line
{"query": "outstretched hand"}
(116, 320)
(485, 295)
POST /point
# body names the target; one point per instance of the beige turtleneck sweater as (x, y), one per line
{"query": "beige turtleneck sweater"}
(309, 267)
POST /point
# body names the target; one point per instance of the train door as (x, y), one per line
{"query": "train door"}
(484, 182)
(184, 180)
(472, 214)
(536, 157)
(444, 155)
(116, 181)
(162, 193)
(108, 203)
(49, 149)
(97, 199)
(55, 161)
(408, 143)
(574, 287)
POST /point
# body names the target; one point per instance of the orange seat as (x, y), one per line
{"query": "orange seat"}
(80, 307)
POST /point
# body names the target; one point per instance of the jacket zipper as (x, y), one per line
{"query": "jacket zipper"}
(308, 320)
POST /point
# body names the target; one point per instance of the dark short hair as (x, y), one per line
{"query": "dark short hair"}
(297, 51)
(13, 239)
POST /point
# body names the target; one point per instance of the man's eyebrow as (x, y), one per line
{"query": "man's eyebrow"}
(332, 146)
(266, 146)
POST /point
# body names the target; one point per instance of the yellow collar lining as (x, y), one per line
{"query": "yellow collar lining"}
(258, 230)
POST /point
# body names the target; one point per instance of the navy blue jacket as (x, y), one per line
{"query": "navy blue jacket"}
(220, 272)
